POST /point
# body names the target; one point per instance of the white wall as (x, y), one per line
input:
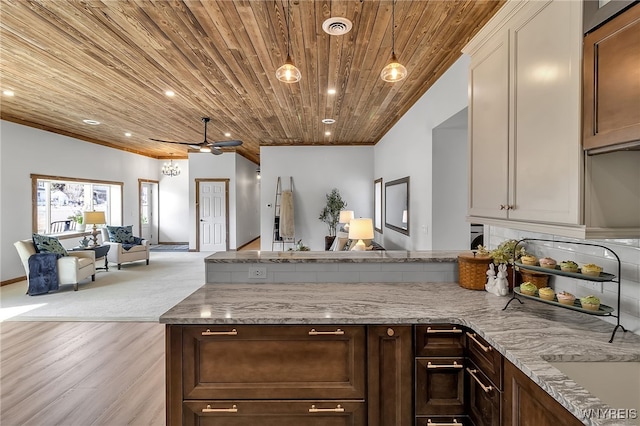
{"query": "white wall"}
(247, 201)
(25, 150)
(450, 185)
(316, 170)
(173, 205)
(406, 150)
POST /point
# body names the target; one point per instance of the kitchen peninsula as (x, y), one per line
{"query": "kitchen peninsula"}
(218, 336)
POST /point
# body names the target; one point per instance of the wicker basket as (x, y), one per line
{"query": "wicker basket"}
(472, 270)
(539, 279)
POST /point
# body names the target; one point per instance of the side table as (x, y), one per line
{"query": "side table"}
(101, 253)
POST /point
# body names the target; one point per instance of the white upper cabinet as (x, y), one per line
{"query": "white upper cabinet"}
(526, 163)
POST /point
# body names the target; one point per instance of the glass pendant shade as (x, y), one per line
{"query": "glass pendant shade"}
(288, 73)
(394, 71)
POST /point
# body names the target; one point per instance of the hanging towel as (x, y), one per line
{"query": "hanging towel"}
(287, 226)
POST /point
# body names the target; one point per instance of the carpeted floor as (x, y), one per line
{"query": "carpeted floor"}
(137, 292)
(169, 247)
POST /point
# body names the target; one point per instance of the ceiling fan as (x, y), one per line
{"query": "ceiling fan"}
(206, 146)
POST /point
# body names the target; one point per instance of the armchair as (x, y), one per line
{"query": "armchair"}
(117, 254)
(71, 269)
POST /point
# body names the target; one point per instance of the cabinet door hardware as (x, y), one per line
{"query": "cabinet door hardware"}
(338, 409)
(502, 207)
(233, 409)
(454, 365)
(483, 347)
(455, 423)
(338, 332)
(451, 330)
(473, 372)
(233, 332)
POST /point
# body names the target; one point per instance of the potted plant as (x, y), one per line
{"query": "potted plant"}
(78, 219)
(330, 215)
(505, 253)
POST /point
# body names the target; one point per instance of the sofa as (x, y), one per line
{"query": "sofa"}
(72, 269)
(118, 254)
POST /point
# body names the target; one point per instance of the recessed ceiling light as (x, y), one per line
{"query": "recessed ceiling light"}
(8, 92)
(128, 134)
(331, 91)
(327, 133)
(228, 134)
(91, 122)
(170, 93)
(328, 120)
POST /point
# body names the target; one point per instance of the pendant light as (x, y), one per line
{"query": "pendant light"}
(288, 73)
(394, 71)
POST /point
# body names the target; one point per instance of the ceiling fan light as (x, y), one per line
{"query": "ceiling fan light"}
(288, 73)
(205, 149)
(394, 71)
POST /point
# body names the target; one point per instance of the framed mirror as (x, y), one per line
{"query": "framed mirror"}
(377, 205)
(396, 205)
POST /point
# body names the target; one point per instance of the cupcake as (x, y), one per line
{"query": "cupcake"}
(569, 266)
(529, 259)
(546, 293)
(547, 262)
(528, 288)
(591, 269)
(590, 302)
(565, 298)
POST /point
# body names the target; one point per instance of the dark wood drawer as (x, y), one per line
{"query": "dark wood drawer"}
(439, 340)
(485, 357)
(274, 413)
(273, 362)
(443, 421)
(439, 386)
(484, 397)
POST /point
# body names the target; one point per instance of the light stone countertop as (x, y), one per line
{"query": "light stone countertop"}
(375, 256)
(528, 335)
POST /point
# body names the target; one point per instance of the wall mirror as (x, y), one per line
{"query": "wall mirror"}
(377, 205)
(396, 205)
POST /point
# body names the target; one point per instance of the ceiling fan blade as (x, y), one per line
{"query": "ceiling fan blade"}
(181, 143)
(226, 143)
(216, 151)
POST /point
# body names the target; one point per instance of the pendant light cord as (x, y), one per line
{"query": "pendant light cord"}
(288, 33)
(393, 27)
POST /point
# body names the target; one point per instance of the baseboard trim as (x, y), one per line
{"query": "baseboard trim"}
(246, 244)
(13, 280)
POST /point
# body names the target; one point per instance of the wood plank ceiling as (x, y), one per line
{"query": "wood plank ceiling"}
(112, 61)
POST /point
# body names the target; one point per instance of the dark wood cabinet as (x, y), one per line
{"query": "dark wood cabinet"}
(611, 92)
(439, 340)
(483, 398)
(389, 379)
(440, 386)
(527, 404)
(485, 357)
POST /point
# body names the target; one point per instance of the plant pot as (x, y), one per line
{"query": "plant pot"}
(80, 227)
(328, 241)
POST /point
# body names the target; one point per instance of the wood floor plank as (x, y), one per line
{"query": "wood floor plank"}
(81, 373)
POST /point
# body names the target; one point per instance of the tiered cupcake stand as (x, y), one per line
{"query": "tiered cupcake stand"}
(604, 310)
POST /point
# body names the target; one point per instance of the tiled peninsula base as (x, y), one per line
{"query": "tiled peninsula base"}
(339, 267)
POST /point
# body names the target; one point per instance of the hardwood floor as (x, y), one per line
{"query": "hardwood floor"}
(82, 373)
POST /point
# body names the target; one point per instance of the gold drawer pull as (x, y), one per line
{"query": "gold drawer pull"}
(454, 365)
(473, 372)
(233, 409)
(455, 423)
(483, 347)
(233, 332)
(338, 409)
(435, 330)
(313, 332)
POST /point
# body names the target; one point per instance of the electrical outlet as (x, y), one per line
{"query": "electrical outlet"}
(258, 272)
(591, 286)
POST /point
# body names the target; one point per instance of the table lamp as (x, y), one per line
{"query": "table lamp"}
(346, 216)
(95, 218)
(361, 229)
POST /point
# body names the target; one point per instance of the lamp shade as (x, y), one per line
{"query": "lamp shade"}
(94, 218)
(361, 229)
(346, 216)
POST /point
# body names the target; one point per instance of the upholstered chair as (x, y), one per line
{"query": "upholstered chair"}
(119, 255)
(72, 269)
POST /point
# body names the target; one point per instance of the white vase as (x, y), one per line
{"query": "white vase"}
(80, 227)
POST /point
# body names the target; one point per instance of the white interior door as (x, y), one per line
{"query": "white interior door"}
(212, 215)
(148, 211)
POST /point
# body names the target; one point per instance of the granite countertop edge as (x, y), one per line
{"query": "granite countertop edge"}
(558, 336)
(372, 256)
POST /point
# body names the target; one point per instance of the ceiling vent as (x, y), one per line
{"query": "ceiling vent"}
(337, 26)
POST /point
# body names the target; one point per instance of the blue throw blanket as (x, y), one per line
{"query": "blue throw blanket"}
(43, 273)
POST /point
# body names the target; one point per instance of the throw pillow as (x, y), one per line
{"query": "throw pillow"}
(121, 234)
(47, 244)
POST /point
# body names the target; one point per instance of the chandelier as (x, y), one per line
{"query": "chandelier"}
(170, 169)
